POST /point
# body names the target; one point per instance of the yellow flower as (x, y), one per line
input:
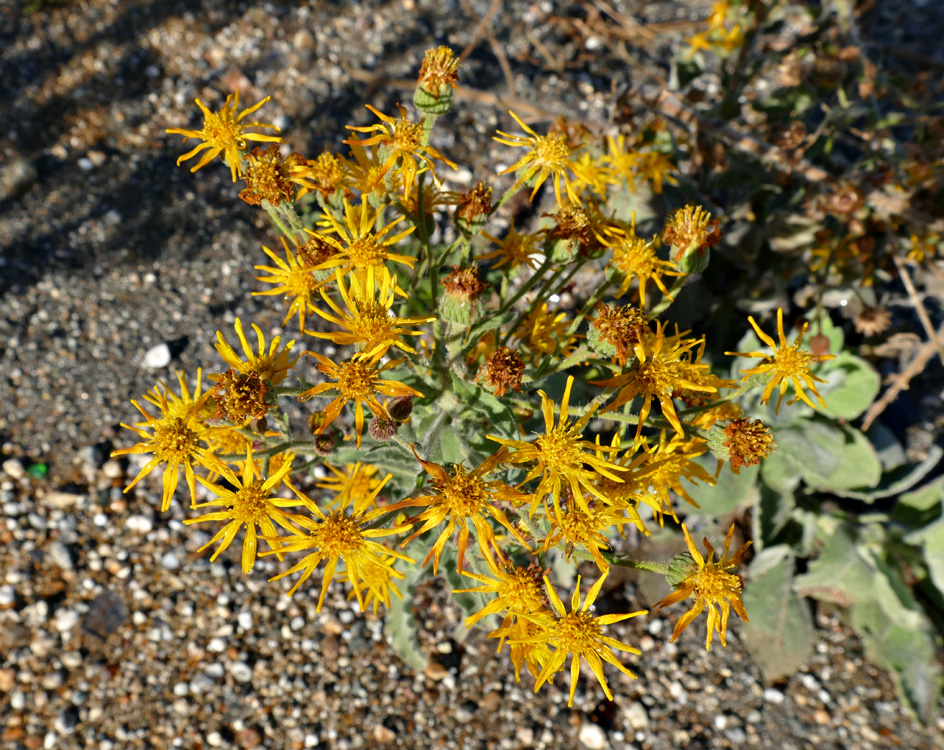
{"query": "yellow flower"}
(293, 279)
(368, 322)
(344, 536)
(548, 156)
(363, 248)
(691, 229)
(712, 584)
(591, 172)
(516, 249)
(586, 528)
(543, 332)
(462, 497)
(669, 462)
(659, 376)
(378, 577)
(560, 455)
(329, 173)
(251, 505)
(787, 365)
(517, 632)
(175, 440)
(355, 479)
(356, 380)
(633, 257)
(517, 590)
(271, 177)
(272, 366)
(578, 634)
(403, 142)
(186, 404)
(655, 167)
(223, 133)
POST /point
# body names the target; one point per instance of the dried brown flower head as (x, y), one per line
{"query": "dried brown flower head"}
(464, 283)
(271, 177)
(622, 327)
(691, 229)
(240, 396)
(747, 443)
(318, 249)
(873, 321)
(475, 202)
(440, 68)
(502, 371)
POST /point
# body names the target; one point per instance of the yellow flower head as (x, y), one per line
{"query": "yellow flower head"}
(544, 332)
(578, 634)
(354, 479)
(186, 404)
(712, 584)
(440, 69)
(362, 247)
(635, 258)
(586, 528)
(562, 458)
(293, 279)
(271, 177)
(669, 462)
(659, 376)
(272, 366)
(516, 249)
(787, 365)
(548, 156)
(462, 497)
(368, 323)
(517, 590)
(174, 439)
(518, 632)
(345, 536)
(356, 380)
(223, 133)
(249, 504)
(402, 144)
(329, 173)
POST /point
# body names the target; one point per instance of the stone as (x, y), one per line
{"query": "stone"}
(157, 357)
(592, 736)
(106, 613)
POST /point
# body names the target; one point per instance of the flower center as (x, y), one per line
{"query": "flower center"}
(552, 151)
(365, 252)
(559, 449)
(356, 379)
(576, 633)
(522, 592)
(174, 441)
(791, 361)
(251, 505)
(713, 583)
(634, 256)
(464, 494)
(337, 536)
(221, 130)
(656, 374)
(407, 137)
(372, 322)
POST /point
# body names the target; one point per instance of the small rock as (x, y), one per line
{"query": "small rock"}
(14, 468)
(636, 716)
(525, 736)
(86, 164)
(435, 671)
(773, 696)
(61, 500)
(491, 701)
(67, 720)
(305, 45)
(249, 737)
(214, 739)
(169, 560)
(139, 524)
(52, 680)
(821, 717)
(71, 659)
(244, 620)
(18, 176)
(216, 645)
(112, 469)
(106, 613)
(7, 680)
(721, 722)
(592, 736)
(66, 619)
(383, 735)
(737, 736)
(157, 357)
(59, 554)
(241, 671)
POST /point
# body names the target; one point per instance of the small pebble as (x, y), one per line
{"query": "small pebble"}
(112, 469)
(139, 524)
(821, 717)
(66, 619)
(157, 357)
(383, 735)
(592, 736)
(216, 645)
(13, 468)
(169, 561)
(244, 620)
(773, 696)
(241, 671)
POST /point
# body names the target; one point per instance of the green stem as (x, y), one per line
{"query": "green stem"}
(584, 311)
(625, 562)
(668, 299)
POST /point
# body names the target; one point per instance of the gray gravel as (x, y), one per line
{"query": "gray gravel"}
(113, 633)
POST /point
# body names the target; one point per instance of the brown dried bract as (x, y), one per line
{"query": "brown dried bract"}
(503, 370)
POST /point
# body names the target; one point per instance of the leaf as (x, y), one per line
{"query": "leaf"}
(931, 539)
(898, 480)
(731, 492)
(779, 635)
(922, 506)
(839, 574)
(497, 416)
(400, 624)
(824, 455)
(852, 387)
(481, 328)
(772, 512)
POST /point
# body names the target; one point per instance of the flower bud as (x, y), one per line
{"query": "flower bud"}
(438, 79)
(460, 304)
(400, 408)
(325, 443)
(381, 429)
(473, 209)
(691, 232)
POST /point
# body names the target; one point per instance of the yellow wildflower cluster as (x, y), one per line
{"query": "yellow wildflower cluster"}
(722, 35)
(441, 339)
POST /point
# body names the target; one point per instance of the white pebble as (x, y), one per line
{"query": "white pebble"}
(214, 739)
(181, 688)
(86, 164)
(216, 645)
(773, 696)
(721, 722)
(139, 524)
(100, 519)
(241, 671)
(14, 468)
(157, 357)
(169, 560)
(244, 620)
(112, 469)
(66, 619)
(592, 736)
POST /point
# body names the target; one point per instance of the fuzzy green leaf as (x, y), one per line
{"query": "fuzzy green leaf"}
(852, 386)
(732, 491)
(780, 633)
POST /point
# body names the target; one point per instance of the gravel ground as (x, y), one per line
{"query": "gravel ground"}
(113, 632)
